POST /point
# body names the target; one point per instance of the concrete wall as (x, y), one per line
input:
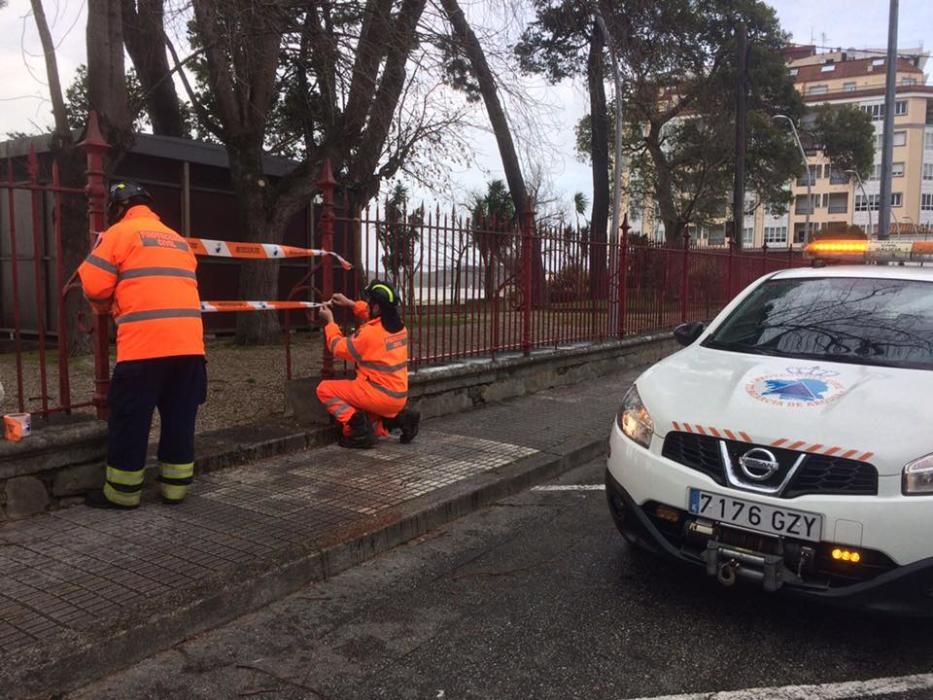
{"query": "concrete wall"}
(470, 384)
(64, 459)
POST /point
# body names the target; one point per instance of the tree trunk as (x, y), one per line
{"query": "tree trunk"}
(71, 163)
(497, 119)
(599, 147)
(500, 127)
(51, 70)
(106, 74)
(259, 280)
(143, 32)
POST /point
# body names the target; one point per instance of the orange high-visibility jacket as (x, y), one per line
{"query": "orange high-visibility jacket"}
(144, 274)
(381, 357)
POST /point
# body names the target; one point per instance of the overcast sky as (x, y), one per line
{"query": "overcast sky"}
(846, 23)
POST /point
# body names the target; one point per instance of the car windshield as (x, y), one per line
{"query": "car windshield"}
(886, 322)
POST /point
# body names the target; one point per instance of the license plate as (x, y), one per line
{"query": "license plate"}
(756, 516)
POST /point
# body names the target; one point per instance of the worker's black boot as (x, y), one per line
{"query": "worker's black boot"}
(407, 422)
(97, 499)
(361, 435)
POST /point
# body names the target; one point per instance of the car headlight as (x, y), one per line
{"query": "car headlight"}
(918, 477)
(634, 420)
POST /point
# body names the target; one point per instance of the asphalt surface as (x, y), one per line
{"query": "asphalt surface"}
(536, 597)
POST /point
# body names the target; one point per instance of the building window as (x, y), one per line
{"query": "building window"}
(900, 139)
(828, 68)
(878, 62)
(926, 201)
(875, 172)
(816, 172)
(838, 177)
(800, 232)
(876, 111)
(804, 206)
(817, 89)
(897, 170)
(775, 234)
(928, 141)
(909, 81)
(748, 236)
(867, 202)
(872, 201)
(839, 203)
(793, 72)
(928, 171)
(848, 87)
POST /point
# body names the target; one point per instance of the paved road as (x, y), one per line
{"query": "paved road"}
(537, 597)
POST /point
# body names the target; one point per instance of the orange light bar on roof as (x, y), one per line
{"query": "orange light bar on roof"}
(846, 247)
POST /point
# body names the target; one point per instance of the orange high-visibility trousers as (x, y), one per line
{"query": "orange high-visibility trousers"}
(344, 397)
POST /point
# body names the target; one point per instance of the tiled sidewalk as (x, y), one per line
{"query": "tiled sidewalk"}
(75, 576)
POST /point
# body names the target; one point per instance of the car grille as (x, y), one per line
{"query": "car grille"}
(818, 474)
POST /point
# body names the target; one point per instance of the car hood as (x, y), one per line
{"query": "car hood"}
(876, 414)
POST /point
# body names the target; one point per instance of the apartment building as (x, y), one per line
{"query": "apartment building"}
(836, 199)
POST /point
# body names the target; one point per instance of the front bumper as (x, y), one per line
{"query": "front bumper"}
(905, 590)
(897, 590)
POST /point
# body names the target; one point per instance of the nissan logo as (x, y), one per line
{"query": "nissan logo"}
(759, 464)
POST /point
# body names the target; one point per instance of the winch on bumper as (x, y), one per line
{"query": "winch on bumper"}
(791, 567)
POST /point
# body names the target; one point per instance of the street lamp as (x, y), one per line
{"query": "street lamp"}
(806, 165)
(867, 201)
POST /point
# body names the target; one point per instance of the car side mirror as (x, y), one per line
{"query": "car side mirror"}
(687, 333)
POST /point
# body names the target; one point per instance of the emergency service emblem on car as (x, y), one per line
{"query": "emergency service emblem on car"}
(797, 387)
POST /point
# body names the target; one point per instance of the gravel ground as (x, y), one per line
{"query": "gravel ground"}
(244, 383)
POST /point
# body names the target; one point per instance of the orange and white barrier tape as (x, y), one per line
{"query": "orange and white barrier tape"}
(208, 248)
(257, 251)
(221, 306)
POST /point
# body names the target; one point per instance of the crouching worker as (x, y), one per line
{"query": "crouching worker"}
(372, 405)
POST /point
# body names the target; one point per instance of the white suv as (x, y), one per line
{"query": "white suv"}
(791, 442)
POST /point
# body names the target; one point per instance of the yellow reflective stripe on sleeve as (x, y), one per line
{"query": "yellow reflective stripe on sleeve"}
(124, 477)
(176, 471)
(354, 352)
(121, 498)
(104, 265)
(173, 492)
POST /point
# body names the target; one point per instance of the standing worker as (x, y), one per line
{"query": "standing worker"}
(372, 405)
(143, 273)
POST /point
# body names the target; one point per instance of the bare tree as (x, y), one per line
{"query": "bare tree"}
(144, 36)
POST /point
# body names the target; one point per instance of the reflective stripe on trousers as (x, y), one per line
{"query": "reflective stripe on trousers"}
(174, 480)
(123, 487)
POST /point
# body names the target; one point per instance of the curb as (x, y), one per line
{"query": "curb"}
(73, 663)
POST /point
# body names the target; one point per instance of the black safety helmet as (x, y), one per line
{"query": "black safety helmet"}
(123, 195)
(382, 293)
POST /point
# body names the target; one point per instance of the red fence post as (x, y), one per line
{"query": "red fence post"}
(684, 288)
(327, 184)
(528, 226)
(623, 275)
(764, 258)
(95, 149)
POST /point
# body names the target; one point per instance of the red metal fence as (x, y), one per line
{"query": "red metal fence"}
(479, 287)
(38, 289)
(471, 286)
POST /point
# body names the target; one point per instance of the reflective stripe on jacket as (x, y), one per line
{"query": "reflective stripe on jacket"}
(381, 357)
(145, 275)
